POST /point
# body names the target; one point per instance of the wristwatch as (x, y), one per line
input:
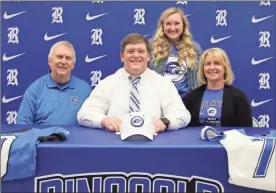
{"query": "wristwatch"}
(166, 122)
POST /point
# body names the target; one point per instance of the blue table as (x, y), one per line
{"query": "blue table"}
(94, 160)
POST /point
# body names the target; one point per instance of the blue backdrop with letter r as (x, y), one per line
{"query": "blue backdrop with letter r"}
(246, 30)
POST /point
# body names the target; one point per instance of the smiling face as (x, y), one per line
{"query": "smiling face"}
(173, 27)
(135, 58)
(61, 63)
(214, 68)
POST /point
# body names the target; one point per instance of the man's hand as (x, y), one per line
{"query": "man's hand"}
(111, 124)
(159, 126)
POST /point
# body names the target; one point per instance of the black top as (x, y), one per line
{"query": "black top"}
(235, 110)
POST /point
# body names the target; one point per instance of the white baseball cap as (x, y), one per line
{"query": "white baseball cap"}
(137, 123)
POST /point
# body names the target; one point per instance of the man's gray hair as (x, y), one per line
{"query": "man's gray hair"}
(65, 43)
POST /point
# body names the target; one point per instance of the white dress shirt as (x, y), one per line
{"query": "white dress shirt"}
(158, 98)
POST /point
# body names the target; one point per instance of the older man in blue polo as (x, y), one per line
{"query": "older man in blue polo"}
(55, 98)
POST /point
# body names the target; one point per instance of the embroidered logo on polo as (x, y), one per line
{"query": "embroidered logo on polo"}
(74, 100)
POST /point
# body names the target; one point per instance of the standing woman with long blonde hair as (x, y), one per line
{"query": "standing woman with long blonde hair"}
(174, 53)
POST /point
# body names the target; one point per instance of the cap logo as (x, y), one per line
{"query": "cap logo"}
(137, 121)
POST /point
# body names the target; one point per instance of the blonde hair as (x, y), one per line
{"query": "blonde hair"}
(64, 43)
(161, 46)
(220, 53)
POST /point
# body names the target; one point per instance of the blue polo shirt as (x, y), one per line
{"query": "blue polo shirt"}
(47, 103)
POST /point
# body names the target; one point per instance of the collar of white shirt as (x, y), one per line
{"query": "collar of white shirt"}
(143, 75)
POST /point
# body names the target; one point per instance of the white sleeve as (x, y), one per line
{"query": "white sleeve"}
(95, 107)
(172, 106)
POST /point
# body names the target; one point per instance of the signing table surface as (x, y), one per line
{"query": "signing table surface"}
(95, 160)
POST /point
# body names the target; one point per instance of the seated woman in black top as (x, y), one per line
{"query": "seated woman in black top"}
(216, 102)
